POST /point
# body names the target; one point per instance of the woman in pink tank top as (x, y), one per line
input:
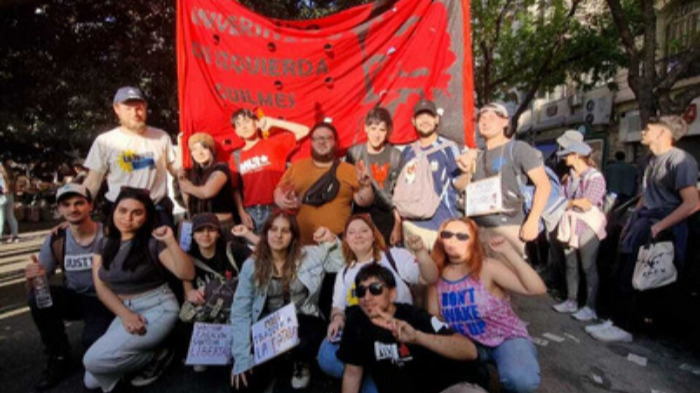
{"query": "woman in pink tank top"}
(472, 295)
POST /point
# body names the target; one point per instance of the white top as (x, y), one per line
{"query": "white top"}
(408, 270)
(133, 160)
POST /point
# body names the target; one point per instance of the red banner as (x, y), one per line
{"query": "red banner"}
(339, 66)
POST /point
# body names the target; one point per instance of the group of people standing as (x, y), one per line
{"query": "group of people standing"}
(418, 302)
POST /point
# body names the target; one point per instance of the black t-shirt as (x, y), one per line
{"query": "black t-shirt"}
(398, 367)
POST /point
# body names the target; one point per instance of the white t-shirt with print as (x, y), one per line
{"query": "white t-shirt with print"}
(133, 160)
(408, 271)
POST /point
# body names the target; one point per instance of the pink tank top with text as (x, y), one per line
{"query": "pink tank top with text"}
(470, 309)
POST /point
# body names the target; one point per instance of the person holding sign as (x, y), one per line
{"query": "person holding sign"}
(472, 297)
(281, 271)
(129, 272)
(502, 163)
(364, 245)
(405, 349)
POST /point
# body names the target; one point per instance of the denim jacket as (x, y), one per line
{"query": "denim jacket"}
(249, 300)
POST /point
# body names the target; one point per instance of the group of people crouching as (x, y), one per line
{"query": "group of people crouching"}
(374, 338)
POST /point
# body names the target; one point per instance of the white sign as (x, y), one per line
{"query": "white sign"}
(210, 344)
(185, 235)
(275, 334)
(484, 197)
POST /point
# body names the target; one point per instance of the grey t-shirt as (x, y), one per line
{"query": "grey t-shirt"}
(77, 261)
(508, 159)
(667, 174)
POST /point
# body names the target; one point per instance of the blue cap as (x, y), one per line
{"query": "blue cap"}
(580, 148)
(128, 93)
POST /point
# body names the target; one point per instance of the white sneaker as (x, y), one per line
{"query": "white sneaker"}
(612, 333)
(585, 314)
(568, 306)
(301, 376)
(591, 328)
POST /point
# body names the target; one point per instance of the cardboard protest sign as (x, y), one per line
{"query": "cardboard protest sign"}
(210, 344)
(275, 334)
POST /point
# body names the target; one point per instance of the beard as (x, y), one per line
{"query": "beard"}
(318, 157)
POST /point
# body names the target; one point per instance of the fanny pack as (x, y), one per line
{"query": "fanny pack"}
(325, 189)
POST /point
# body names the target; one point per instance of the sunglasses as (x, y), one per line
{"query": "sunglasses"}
(461, 236)
(375, 288)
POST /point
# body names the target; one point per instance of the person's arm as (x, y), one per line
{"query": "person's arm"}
(428, 269)
(285, 196)
(244, 232)
(133, 323)
(246, 219)
(192, 294)
(460, 183)
(352, 378)
(512, 272)
(689, 195)
(242, 321)
(173, 258)
(364, 196)
(530, 228)
(432, 301)
(299, 130)
(210, 189)
(93, 182)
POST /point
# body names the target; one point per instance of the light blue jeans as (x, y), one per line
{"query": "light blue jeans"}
(7, 212)
(331, 365)
(118, 353)
(516, 360)
(259, 214)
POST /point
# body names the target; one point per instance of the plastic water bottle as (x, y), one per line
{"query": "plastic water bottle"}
(42, 291)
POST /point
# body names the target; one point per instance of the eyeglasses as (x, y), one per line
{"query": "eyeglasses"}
(461, 236)
(323, 138)
(375, 288)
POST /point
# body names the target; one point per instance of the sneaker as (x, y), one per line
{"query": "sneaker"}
(592, 328)
(154, 369)
(199, 368)
(568, 306)
(301, 376)
(612, 333)
(56, 369)
(585, 314)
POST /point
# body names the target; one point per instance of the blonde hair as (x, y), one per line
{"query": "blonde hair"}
(206, 140)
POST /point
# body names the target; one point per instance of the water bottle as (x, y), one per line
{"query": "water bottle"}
(42, 291)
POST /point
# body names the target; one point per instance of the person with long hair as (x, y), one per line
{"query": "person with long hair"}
(363, 244)
(129, 272)
(281, 271)
(472, 295)
(207, 186)
(582, 228)
(7, 205)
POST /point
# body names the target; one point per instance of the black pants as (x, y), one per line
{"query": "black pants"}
(311, 332)
(69, 306)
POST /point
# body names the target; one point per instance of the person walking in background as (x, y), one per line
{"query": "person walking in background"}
(581, 228)
(621, 178)
(7, 205)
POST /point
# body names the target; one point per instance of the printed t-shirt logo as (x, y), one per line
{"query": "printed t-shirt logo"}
(255, 164)
(351, 298)
(130, 161)
(398, 355)
(78, 263)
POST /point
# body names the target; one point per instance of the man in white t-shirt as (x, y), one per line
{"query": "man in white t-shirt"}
(132, 155)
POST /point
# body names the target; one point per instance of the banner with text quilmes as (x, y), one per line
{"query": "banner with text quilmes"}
(388, 53)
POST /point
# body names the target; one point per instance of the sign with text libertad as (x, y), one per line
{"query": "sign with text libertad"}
(385, 53)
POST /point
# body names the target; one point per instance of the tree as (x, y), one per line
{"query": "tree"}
(651, 81)
(535, 45)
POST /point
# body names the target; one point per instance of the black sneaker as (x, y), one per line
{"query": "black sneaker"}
(56, 369)
(154, 369)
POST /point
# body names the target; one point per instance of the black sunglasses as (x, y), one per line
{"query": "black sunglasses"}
(375, 289)
(462, 236)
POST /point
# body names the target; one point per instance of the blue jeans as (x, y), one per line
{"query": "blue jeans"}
(516, 360)
(331, 365)
(118, 352)
(259, 214)
(7, 212)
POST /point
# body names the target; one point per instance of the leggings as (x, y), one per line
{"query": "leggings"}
(586, 254)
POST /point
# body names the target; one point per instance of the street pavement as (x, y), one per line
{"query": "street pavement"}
(570, 360)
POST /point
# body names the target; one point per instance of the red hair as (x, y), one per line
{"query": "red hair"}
(476, 253)
(379, 244)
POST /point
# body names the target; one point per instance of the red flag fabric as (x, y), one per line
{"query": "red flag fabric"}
(339, 66)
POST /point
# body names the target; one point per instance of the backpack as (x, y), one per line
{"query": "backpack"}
(414, 193)
(556, 202)
(58, 247)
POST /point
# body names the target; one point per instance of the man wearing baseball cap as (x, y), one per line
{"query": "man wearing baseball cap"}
(133, 155)
(71, 249)
(509, 159)
(447, 176)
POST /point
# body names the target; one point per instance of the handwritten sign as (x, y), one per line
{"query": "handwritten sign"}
(275, 334)
(210, 344)
(484, 197)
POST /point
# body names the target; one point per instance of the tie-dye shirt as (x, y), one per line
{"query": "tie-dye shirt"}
(470, 309)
